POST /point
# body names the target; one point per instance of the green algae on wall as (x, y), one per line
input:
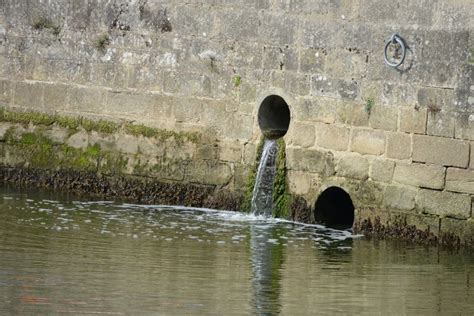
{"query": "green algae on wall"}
(101, 126)
(38, 151)
(281, 195)
(247, 201)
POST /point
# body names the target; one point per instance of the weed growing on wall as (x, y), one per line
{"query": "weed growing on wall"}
(45, 23)
(102, 42)
(369, 104)
(101, 126)
(237, 81)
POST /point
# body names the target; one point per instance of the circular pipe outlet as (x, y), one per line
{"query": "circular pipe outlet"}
(274, 117)
(334, 208)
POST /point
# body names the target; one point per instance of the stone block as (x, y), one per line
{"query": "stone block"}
(4, 127)
(398, 94)
(191, 110)
(345, 62)
(209, 172)
(28, 95)
(310, 160)
(247, 94)
(460, 180)
(464, 125)
(398, 145)
(277, 28)
(56, 97)
(312, 60)
(87, 100)
(105, 141)
(299, 182)
(288, 81)
(319, 34)
(135, 105)
(322, 86)
(352, 166)
(413, 120)
(358, 115)
(162, 107)
(322, 109)
(384, 117)
(280, 58)
(368, 142)
(435, 99)
(5, 92)
(301, 134)
(440, 151)
(463, 229)
(420, 175)
(333, 137)
(170, 169)
(250, 154)
(445, 204)
(441, 60)
(127, 144)
(399, 198)
(79, 140)
(240, 24)
(239, 127)
(422, 222)
(382, 170)
(56, 134)
(230, 151)
(471, 161)
(440, 124)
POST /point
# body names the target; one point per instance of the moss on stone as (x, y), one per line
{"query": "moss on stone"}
(247, 201)
(281, 195)
(40, 152)
(113, 163)
(142, 130)
(46, 23)
(35, 118)
(369, 105)
(102, 126)
(37, 150)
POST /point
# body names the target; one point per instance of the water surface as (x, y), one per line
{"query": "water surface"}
(64, 255)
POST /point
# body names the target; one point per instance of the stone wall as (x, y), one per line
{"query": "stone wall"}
(397, 140)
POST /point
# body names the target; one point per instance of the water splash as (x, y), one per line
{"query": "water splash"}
(262, 199)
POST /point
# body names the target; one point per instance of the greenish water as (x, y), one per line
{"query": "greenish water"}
(61, 255)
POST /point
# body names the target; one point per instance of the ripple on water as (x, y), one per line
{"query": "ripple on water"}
(101, 257)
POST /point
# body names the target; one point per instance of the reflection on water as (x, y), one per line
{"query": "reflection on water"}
(59, 255)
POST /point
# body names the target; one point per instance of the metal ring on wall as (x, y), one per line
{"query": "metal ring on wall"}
(395, 39)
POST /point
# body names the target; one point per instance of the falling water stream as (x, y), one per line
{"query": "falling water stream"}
(262, 198)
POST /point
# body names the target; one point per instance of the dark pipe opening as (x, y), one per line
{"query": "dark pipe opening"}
(274, 117)
(334, 209)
